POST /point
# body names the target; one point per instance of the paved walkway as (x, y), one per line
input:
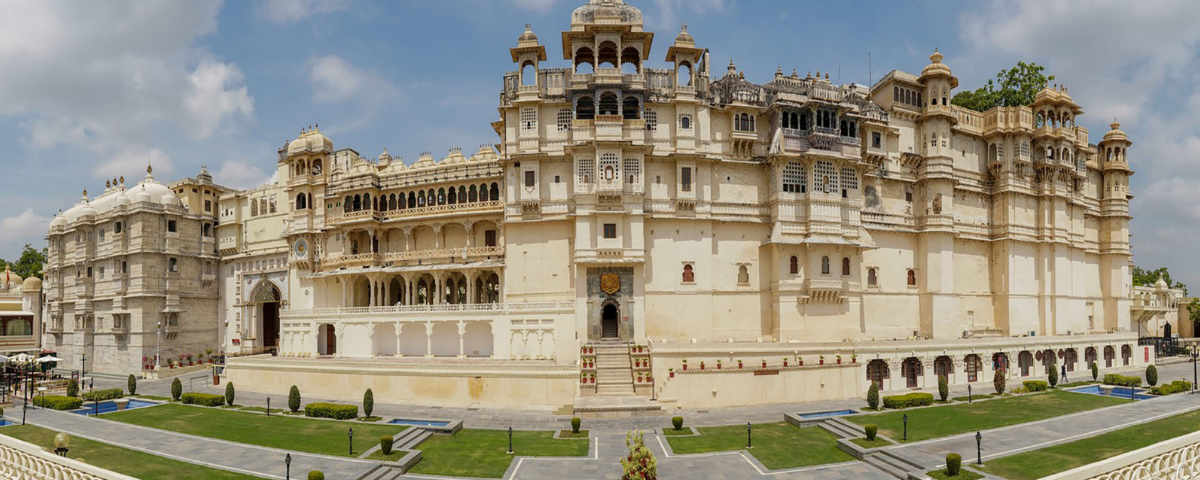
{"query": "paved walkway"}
(248, 459)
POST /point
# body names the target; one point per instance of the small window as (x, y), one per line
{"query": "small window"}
(743, 274)
(124, 267)
(610, 230)
(685, 122)
(208, 205)
(908, 197)
(173, 265)
(824, 265)
(688, 275)
(101, 234)
(171, 226)
(489, 238)
(117, 227)
(845, 266)
(795, 265)
(685, 178)
(557, 179)
(529, 176)
(876, 140)
(89, 272)
(872, 280)
(912, 278)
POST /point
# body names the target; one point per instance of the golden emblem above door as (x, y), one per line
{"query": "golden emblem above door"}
(610, 283)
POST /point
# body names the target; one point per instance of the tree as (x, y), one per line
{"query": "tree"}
(229, 394)
(132, 384)
(1053, 376)
(368, 403)
(1151, 375)
(1147, 278)
(1014, 87)
(176, 389)
(1095, 370)
(998, 381)
(873, 396)
(72, 389)
(943, 388)
(294, 399)
(30, 263)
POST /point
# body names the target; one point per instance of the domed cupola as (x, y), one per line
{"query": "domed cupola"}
(528, 37)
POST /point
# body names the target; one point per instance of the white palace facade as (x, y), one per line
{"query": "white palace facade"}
(796, 238)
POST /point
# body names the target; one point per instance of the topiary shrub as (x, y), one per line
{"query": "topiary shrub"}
(998, 381)
(58, 402)
(1122, 380)
(908, 400)
(872, 430)
(316, 475)
(575, 422)
(294, 399)
(1036, 386)
(176, 389)
(72, 389)
(229, 392)
(331, 410)
(205, 399)
(1177, 386)
(1151, 375)
(873, 396)
(677, 422)
(368, 403)
(943, 388)
(385, 444)
(105, 394)
(131, 383)
(953, 464)
(1095, 371)
(1053, 377)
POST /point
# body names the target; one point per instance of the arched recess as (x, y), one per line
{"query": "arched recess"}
(362, 292)
(877, 371)
(445, 339)
(423, 238)
(455, 235)
(528, 73)
(631, 108)
(584, 60)
(1110, 354)
(383, 344)
(326, 339)
(396, 291)
(266, 297)
(478, 340)
(609, 104)
(480, 230)
(632, 58)
(684, 78)
(412, 339)
(1089, 356)
(607, 57)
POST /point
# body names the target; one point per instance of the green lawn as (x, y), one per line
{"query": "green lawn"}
(484, 453)
(289, 433)
(1059, 458)
(121, 460)
(569, 434)
(878, 442)
(776, 445)
(963, 474)
(934, 422)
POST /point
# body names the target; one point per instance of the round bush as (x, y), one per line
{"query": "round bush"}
(677, 422)
(873, 396)
(176, 389)
(132, 384)
(316, 475)
(1151, 375)
(385, 444)
(953, 464)
(368, 403)
(229, 393)
(575, 422)
(294, 399)
(872, 430)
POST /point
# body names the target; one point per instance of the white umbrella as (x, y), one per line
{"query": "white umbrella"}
(49, 358)
(22, 358)
(3, 358)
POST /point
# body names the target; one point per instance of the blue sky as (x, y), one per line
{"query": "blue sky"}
(94, 89)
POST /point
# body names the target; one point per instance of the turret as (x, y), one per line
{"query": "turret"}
(1115, 165)
(527, 54)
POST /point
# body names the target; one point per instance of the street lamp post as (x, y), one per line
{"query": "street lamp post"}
(158, 347)
(61, 442)
(748, 443)
(287, 463)
(979, 448)
(351, 433)
(82, 368)
(510, 450)
(268, 406)
(968, 393)
(905, 418)
(1195, 352)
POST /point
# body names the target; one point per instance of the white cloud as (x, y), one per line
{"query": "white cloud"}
(216, 93)
(290, 11)
(242, 175)
(130, 162)
(336, 80)
(25, 225)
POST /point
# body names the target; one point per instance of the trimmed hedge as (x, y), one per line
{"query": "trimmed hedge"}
(1177, 386)
(873, 396)
(575, 424)
(1122, 380)
(1036, 385)
(106, 394)
(176, 389)
(871, 430)
(1151, 375)
(131, 383)
(908, 400)
(331, 410)
(294, 399)
(316, 475)
(385, 444)
(953, 464)
(229, 393)
(677, 422)
(1053, 377)
(58, 402)
(205, 399)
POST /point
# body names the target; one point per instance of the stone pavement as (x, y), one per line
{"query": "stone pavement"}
(248, 459)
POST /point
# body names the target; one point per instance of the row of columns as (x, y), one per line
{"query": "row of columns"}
(379, 287)
(439, 237)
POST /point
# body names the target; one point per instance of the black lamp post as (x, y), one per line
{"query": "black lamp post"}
(351, 433)
(268, 406)
(748, 443)
(968, 393)
(287, 463)
(510, 450)
(24, 408)
(1195, 352)
(979, 448)
(905, 418)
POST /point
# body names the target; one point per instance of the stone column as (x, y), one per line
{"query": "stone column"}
(437, 237)
(428, 339)
(462, 330)
(470, 287)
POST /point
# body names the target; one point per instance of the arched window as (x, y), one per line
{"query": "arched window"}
(795, 265)
(441, 196)
(316, 167)
(392, 202)
(685, 122)
(366, 201)
(528, 73)
(412, 200)
(804, 121)
(462, 194)
(473, 196)
(358, 203)
(348, 204)
(301, 202)
(912, 278)
(872, 279)
(608, 104)
(688, 275)
(631, 57)
(452, 196)
(483, 192)
(685, 75)
(585, 108)
(631, 109)
(584, 56)
(743, 274)
(495, 196)
(796, 121)
(845, 129)
(845, 266)
(420, 198)
(825, 265)
(608, 55)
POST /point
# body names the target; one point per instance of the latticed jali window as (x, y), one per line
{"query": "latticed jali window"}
(586, 170)
(825, 177)
(528, 118)
(633, 170)
(795, 177)
(651, 120)
(564, 119)
(849, 179)
(608, 166)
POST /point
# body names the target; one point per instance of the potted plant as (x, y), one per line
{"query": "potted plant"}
(671, 372)
(764, 363)
(583, 378)
(592, 376)
(799, 361)
(853, 358)
(785, 359)
(702, 364)
(639, 348)
(839, 359)
(718, 364)
(822, 359)
(739, 364)
(685, 364)
(639, 377)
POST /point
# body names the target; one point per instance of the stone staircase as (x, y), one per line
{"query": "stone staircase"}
(614, 369)
(895, 465)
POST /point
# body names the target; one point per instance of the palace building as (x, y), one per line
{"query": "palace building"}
(637, 230)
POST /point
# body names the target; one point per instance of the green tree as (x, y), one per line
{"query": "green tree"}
(368, 403)
(1151, 375)
(132, 384)
(30, 263)
(1013, 87)
(873, 396)
(229, 392)
(1053, 377)
(176, 389)
(1095, 370)
(1147, 278)
(943, 388)
(640, 463)
(294, 399)
(998, 381)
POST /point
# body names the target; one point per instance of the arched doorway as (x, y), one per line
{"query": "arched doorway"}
(943, 366)
(877, 370)
(266, 298)
(610, 321)
(912, 369)
(326, 340)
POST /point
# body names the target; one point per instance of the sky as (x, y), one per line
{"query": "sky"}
(95, 90)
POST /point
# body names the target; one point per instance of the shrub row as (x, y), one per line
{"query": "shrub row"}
(331, 410)
(106, 394)
(908, 400)
(1173, 387)
(1122, 380)
(205, 399)
(58, 402)
(1036, 385)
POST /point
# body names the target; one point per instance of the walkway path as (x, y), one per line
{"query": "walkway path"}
(248, 459)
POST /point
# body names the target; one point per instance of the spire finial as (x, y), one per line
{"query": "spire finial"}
(685, 27)
(107, 184)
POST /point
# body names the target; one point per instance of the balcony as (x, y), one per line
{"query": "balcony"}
(460, 208)
(421, 313)
(354, 217)
(377, 259)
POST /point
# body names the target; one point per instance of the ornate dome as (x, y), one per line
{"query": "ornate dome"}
(938, 69)
(528, 36)
(58, 221)
(10, 282)
(310, 141)
(170, 200)
(32, 284)
(685, 37)
(1115, 134)
(606, 8)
